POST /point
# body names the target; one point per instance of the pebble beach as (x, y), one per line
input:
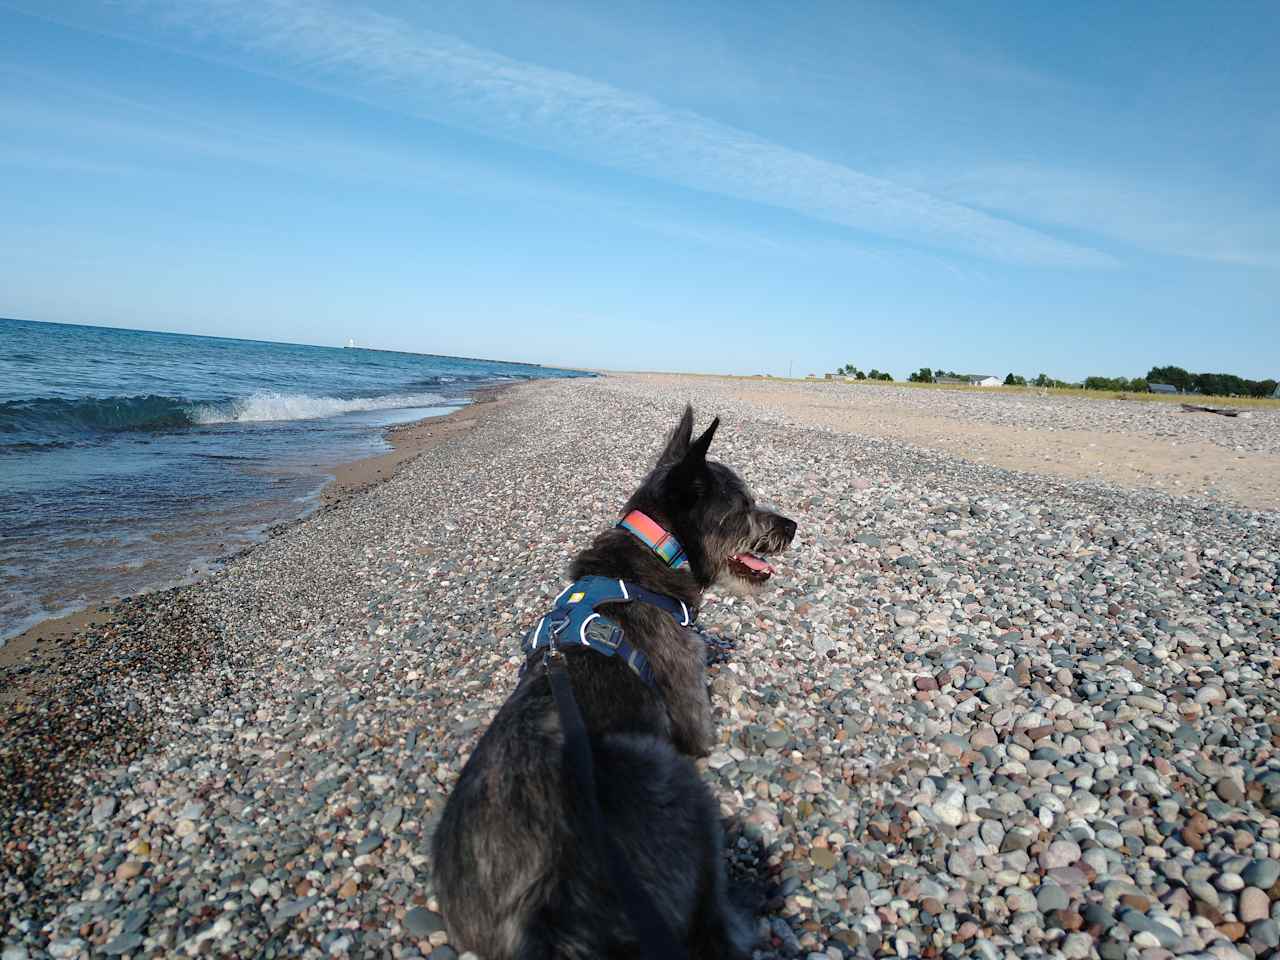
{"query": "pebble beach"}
(980, 712)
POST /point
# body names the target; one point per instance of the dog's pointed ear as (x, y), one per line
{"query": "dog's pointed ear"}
(698, 450)
(678, 443)
(687, 476)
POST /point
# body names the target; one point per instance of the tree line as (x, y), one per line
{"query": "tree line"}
(1219, 384)
(930, 375)
(849, 370)
(1185, 382)
(1215, 384)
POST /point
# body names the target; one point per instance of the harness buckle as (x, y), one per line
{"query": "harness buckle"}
(556, 622)
(606, 633)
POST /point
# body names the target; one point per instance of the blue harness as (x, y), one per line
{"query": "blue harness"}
(574, 621)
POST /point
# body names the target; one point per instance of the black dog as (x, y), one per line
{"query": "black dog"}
(518, 872)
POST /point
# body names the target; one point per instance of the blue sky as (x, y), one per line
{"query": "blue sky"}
(1074, 188)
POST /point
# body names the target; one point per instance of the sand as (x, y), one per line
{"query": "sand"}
(1145, 446)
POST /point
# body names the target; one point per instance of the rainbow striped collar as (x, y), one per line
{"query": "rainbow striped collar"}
(652, 535)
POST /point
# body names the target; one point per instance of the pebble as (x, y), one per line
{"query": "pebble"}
(125, 943)
(1077, 946)
(1262, 873)
(950, 808)
(1230, 882)
(906, 618)
(1060, 853)
(1254, 905)
(1051, 897)
(421, 922)
(1266, 932)
(103, 809)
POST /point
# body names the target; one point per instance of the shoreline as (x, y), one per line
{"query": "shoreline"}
(41, 646)
(408, 440)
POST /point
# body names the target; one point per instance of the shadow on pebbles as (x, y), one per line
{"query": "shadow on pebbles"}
(979, 714)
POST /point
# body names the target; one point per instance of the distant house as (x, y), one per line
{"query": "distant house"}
(1276, 394)
(1162, 388)
(971, 380)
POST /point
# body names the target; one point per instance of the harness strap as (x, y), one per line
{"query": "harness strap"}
(573, 621)
(656, 940)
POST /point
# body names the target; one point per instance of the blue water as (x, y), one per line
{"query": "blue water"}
(129, 460)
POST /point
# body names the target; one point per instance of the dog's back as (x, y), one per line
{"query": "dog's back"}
(519, 875)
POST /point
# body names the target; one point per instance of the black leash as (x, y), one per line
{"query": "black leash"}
(657, 942)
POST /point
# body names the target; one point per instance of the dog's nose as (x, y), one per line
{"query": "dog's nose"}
(788, 528)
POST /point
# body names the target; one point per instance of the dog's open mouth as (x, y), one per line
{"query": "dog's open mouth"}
(750, 567)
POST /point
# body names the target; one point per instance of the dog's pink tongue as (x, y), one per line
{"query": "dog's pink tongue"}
(752, 562)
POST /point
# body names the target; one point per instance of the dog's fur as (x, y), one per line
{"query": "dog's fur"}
(515, 871)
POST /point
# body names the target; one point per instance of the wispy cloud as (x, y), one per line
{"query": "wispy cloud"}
(1201, 224)
(397, 65)
(74, 127)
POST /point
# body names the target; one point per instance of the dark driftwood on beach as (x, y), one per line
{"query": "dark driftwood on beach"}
(1221, 411)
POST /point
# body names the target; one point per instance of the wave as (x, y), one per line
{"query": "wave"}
(264, 407)
(49, 417)
(50, 421)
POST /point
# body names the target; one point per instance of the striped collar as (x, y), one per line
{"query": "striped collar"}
(652, 535)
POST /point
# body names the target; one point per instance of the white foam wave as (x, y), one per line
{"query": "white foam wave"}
(261, 407)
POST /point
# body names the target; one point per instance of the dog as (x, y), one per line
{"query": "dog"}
(517, 872)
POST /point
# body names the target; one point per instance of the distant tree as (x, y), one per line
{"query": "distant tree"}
(1013, 380)
(1042, 380)
(860, 375)
(923, 375)
(878, 375)
(1172, 375)
(1139, 385)
(1220, 384)
(1262, 388)
(1107, 383)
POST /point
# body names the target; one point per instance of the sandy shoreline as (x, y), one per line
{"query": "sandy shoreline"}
(408, 441)
(36, 646)
(980, 711)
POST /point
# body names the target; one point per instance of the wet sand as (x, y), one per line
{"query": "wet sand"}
(29, 656)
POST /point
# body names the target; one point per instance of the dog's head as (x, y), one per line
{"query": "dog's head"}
(711, 512)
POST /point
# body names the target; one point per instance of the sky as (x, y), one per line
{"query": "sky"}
(1077, 189)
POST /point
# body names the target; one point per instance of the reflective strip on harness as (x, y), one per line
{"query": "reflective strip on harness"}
(574, 622)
